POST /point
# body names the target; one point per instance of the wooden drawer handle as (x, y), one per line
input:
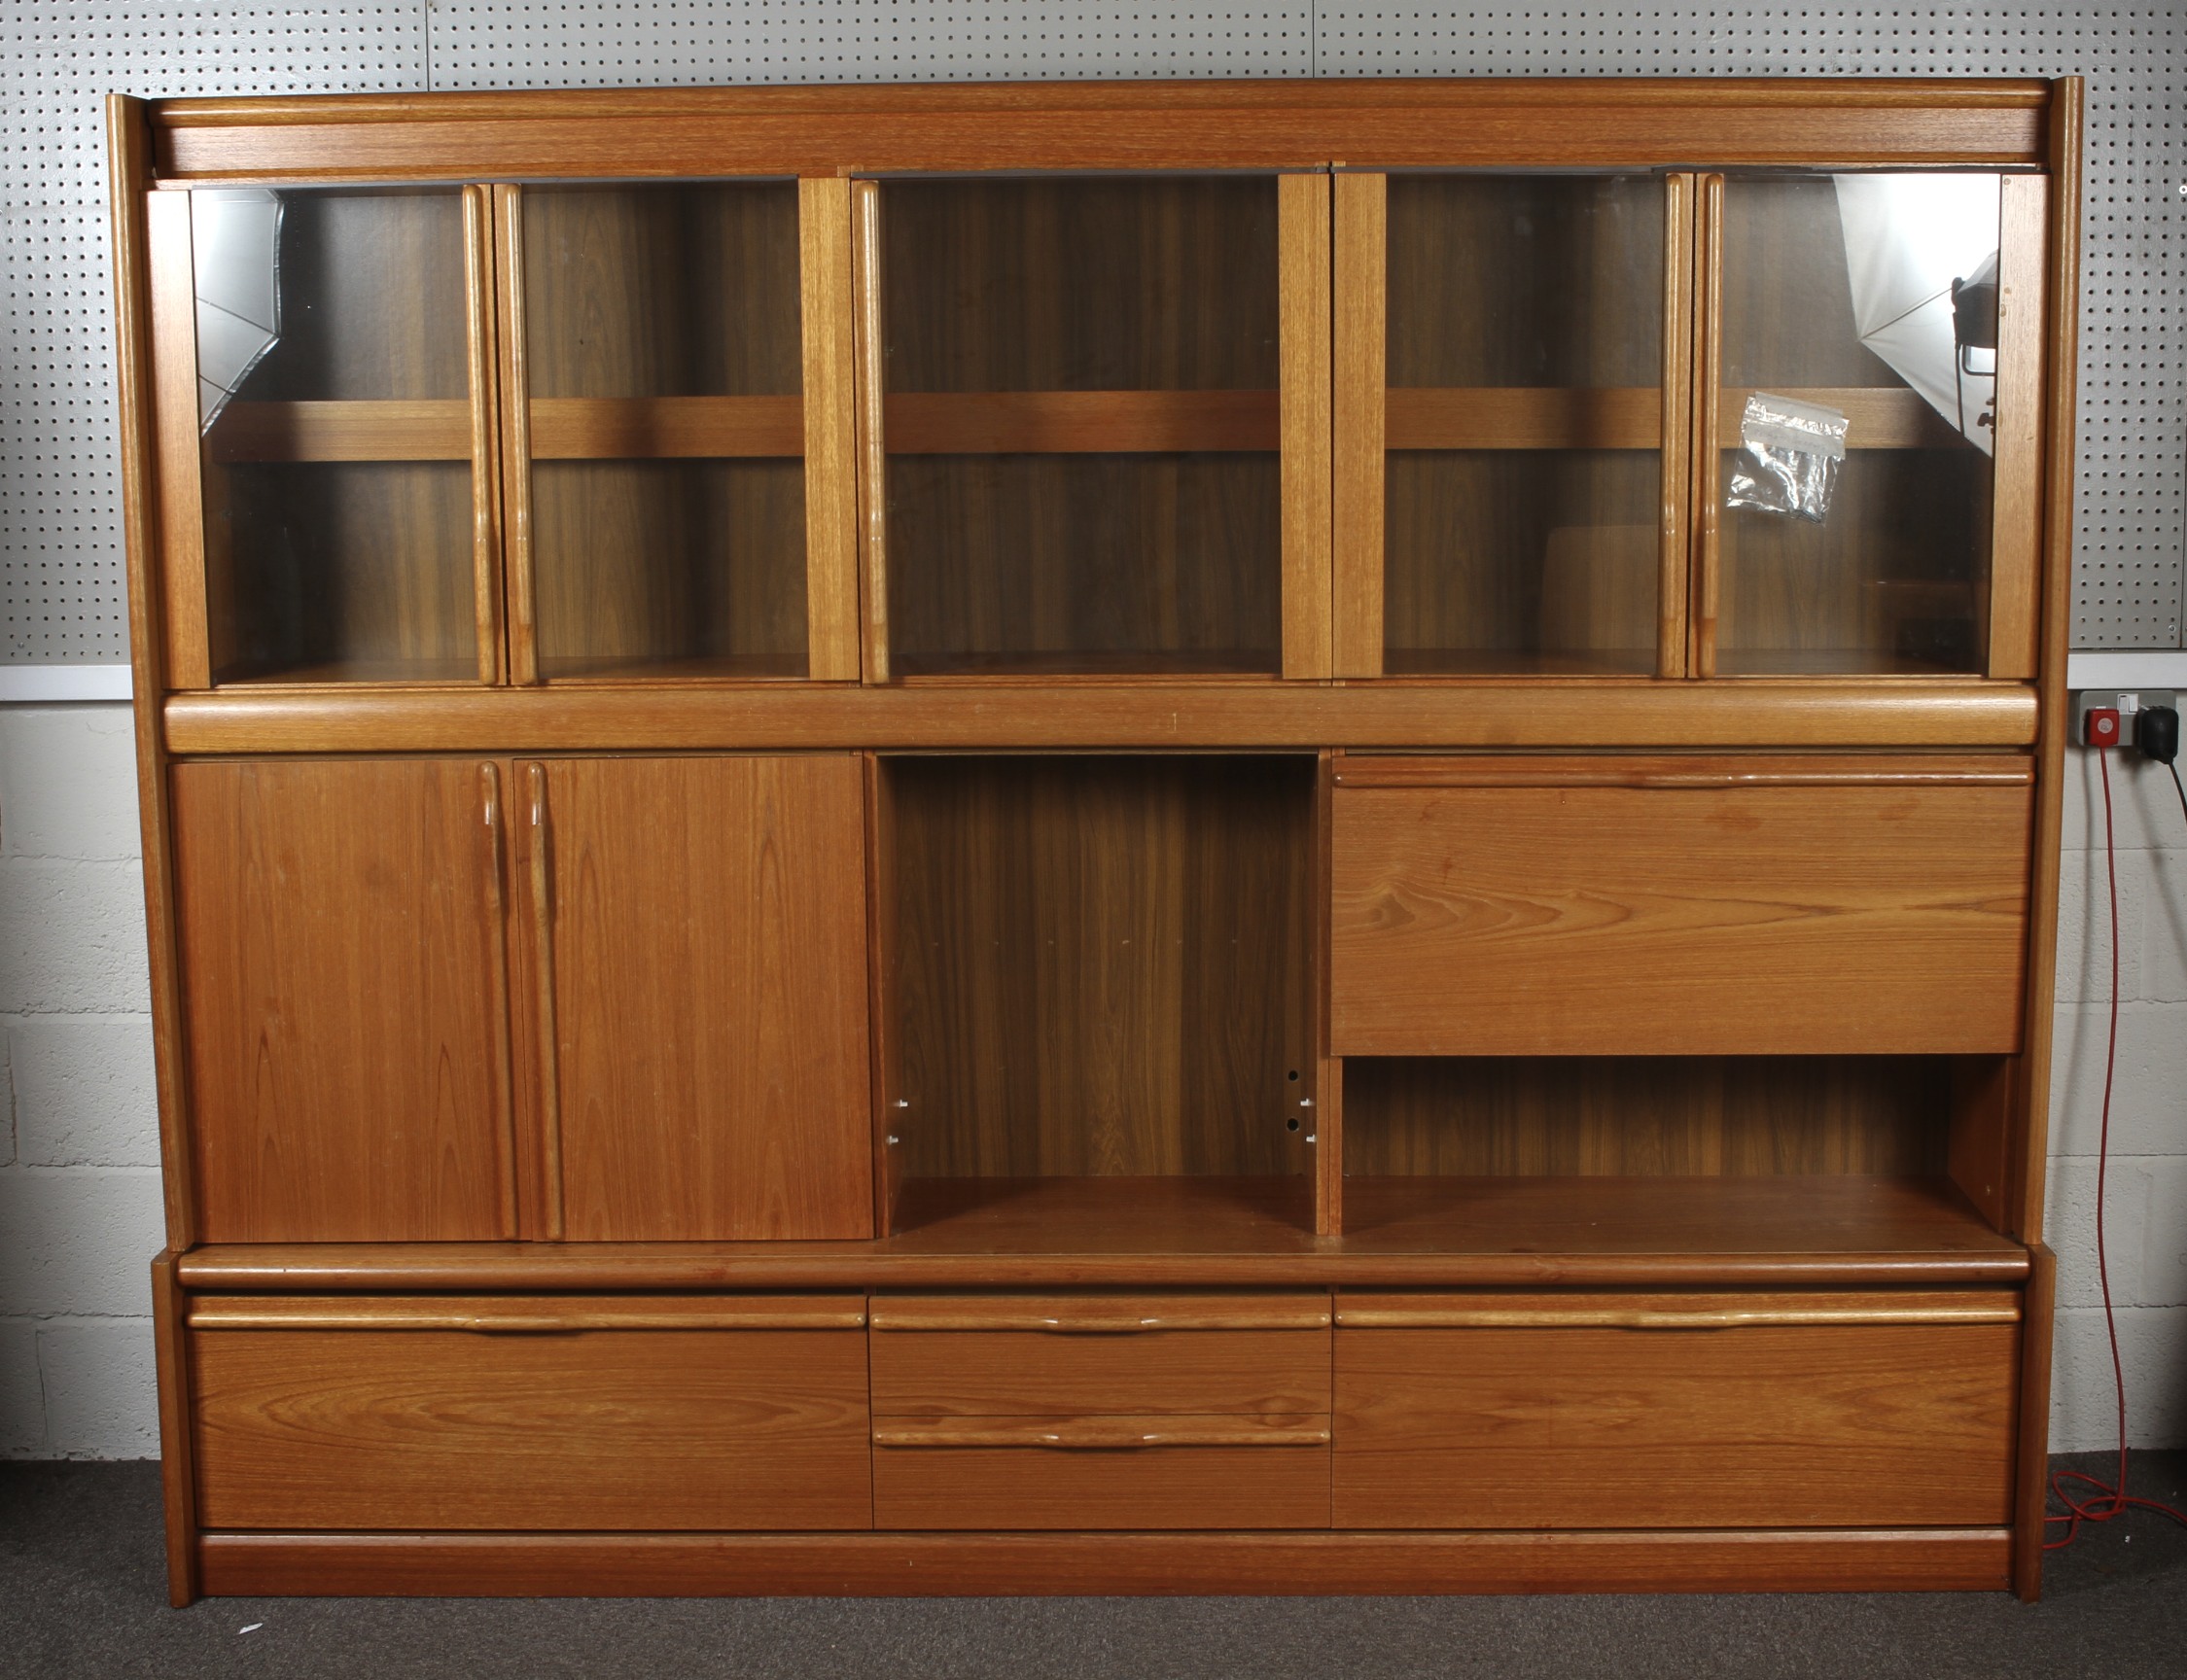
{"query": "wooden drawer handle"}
(1661, 1318)
(1097, 1318)
(1110, 1434)
(492, 1316)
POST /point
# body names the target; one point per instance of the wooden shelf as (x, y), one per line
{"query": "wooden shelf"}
(1798, 1221)
(411, 673)
(1828, 662)
(1517, 662)
(1260, 662)
(1079, 422)
(1402, 1232)
(562, 429)
(1566, 417)
(724, 668)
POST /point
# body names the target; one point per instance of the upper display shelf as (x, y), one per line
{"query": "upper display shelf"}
(1311, 423)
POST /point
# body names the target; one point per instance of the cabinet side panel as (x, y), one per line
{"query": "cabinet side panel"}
(711, 997)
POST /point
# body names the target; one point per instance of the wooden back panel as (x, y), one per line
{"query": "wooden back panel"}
(340, 923)
(1625, 1116)
(1103, 965)
(1136, 559)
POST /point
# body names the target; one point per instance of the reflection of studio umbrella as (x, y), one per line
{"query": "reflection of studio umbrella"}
(235, 244)
(1908, 238)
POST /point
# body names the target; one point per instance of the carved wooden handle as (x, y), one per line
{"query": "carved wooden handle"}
(1097, 1316)
(1671, 1313)
(521, 1315)
(543, 946)
(1103, 1434)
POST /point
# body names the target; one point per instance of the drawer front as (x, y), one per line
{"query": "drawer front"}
(1618, 1412)
(434, 1413)
(1091, 1355)
(1708, 916)
(1205, 1410)
(1027, 1486)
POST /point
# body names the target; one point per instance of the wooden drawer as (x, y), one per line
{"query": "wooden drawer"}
(1065, 1356)
(1681, 1411)
(1815, 904)
(1204, 1411)
(466, 1413)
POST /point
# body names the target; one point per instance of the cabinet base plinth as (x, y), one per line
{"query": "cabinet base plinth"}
(963, 1565)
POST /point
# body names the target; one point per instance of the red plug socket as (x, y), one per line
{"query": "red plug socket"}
(2099, 726)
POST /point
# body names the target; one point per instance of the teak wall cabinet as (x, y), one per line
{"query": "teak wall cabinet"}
(1063, 838)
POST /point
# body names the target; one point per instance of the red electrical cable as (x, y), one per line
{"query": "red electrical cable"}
(2110, 1499)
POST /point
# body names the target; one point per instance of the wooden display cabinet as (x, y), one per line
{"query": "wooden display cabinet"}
(1054, 839)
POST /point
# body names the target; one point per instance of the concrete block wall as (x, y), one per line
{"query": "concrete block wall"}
(80, 1205)
(2147, 1196)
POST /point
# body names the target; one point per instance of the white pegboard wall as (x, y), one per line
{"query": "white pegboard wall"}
(62, 592)
(60, 549)
(659, 43)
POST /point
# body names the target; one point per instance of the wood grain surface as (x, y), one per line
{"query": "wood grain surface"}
(1644, 1116)
(1103, 965)
(350, 558)
(1120, 126)
(1308, 1561)
(411, 1429)
(1773, 1426)
(828, 320)
(337, 943)
(1276, 1485)
(1525, 364)
(1195, 1233)
(1062, 712)
(526, 1314)
(1040, 1373)
(1128, 305)
(1603, 920)
(709, 961)
(662, 325)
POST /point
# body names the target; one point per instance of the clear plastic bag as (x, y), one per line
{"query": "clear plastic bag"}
(1789, 458)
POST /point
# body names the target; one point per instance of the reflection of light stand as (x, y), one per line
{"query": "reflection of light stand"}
(1974, 326)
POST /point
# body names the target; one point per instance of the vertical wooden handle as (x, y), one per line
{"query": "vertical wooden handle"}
(1707, 372)
(1674, 556)
(517, 436)
(872, 447)
(485, 475)
(542, 944)
(497, 904)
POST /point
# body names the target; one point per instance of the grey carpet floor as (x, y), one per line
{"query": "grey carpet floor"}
(82, 1592)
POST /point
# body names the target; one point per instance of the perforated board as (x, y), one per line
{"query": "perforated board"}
(60, 545)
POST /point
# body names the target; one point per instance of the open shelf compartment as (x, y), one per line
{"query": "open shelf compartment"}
(1097, 989)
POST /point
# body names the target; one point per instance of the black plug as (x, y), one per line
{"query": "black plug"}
(2156, 734)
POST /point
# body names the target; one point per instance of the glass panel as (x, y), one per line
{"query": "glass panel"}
(663, 350)
(335, 390)
(1084, 521)
(1521, 487)
(1839, 292)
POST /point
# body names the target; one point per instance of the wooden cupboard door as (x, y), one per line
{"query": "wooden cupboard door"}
(1756, 1417)
(371, 1424)
(340, 925)
(707, 1000)
(1711, 907)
